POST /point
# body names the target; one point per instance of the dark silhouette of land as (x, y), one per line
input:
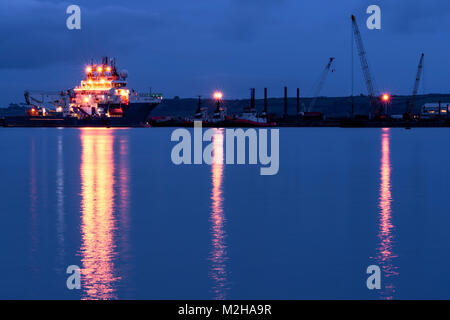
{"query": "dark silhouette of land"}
(329, 106)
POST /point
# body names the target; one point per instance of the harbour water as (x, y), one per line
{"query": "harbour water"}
(112, 202)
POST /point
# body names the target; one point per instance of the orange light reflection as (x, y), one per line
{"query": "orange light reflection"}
(218, 255)
(386, 255)
(98, 249)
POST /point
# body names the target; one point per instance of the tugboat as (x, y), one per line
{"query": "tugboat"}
(220, 114)
(101, 100)
(201, 114)
(218, 119)
(250, 118)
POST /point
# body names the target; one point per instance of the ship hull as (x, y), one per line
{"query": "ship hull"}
(249, 123)
(134, 115)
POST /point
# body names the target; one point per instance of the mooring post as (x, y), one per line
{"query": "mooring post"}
(285, 102)
(265, 101)
(199, 104)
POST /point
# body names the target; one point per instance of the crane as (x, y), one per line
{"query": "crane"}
(320, 84)
(410, 108)
(46, 99)
(365, 68)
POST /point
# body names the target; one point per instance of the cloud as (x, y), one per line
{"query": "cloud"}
(34, 34)
(417, 17)
(189, 47)
(244, 20)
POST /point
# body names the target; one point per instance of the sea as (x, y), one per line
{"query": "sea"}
(104, 213)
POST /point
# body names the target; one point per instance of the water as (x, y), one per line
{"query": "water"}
(111, 202)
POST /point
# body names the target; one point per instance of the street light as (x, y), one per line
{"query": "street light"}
(218, 95)
(386, 98)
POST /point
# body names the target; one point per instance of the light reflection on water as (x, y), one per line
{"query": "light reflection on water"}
(218, 254)
(92, 218)
(123, 198)
(33, 208)
(385, 250)
(98, 223)
(60, 202)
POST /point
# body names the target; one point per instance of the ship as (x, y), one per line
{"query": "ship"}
(102, 99)
(218, 119)
(250, 117)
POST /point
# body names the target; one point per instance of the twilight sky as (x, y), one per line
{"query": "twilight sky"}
(187, 48)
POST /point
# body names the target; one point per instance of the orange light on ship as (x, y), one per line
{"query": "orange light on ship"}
(124, 93)
(99, 69)
(108, 69)
(218, 95)
(86, 99)
(385, 97)
(88, 69)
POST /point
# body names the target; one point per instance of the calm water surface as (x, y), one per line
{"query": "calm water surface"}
(112, 202)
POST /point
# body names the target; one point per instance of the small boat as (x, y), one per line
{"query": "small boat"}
(251, 118)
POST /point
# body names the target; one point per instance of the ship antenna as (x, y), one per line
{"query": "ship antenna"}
(199, 104)
(218, 105)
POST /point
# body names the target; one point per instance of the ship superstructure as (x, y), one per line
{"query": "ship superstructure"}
(104, 92)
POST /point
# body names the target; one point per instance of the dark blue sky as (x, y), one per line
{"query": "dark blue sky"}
(187, 48)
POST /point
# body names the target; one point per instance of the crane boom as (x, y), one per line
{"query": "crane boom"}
(416, 86)
(46, 99)
(365, 66)
(319, 87)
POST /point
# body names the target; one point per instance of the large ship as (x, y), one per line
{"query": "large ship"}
(101, 100)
